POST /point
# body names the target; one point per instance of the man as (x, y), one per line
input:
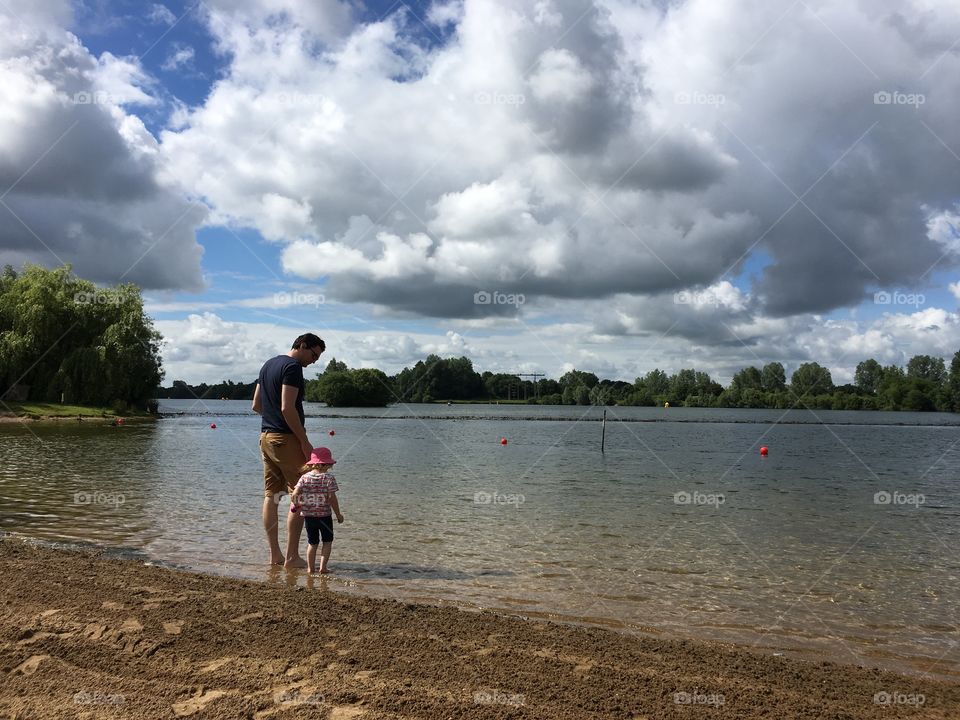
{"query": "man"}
(278, 398)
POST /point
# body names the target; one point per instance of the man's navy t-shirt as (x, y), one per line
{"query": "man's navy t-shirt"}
(276, 372)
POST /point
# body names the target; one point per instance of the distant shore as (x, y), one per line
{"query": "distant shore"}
(672, 415)
(84, 635)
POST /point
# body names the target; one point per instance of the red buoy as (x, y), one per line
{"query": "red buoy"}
(331, 433)
(213, 426)
(119, 421)
(763, 451)
(503, 441)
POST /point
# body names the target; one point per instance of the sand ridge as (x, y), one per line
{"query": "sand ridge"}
(86, 636)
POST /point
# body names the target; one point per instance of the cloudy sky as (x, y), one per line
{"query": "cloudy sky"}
(611, 185)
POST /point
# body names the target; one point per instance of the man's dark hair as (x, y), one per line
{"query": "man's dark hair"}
(308, 340)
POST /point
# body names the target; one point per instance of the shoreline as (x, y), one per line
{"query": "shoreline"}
(540, 418)
(122, 638)
(55, 412)
(749, 639)
(7, 419)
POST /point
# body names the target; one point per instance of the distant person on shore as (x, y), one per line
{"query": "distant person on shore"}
(278, 398)
(313, 498)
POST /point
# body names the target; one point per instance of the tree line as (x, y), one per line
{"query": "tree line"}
(225, 390)
(925, 384)
(63, 338)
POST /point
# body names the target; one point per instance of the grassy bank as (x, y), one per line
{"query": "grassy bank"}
(54, 411)
(480, 402)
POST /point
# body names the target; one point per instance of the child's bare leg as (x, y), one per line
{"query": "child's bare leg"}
(312, 557)
(324, 555)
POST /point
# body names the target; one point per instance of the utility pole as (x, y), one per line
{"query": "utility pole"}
(603, 431)
(535, 376)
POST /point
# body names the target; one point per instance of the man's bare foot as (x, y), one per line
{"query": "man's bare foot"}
(325, 571)
(297, 562)
(276, 558)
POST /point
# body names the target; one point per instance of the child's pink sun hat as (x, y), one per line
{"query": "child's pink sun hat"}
(321, 456)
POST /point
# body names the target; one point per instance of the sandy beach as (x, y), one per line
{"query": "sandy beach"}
(86, 636)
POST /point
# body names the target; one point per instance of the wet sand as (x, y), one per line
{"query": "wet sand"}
(85, 636)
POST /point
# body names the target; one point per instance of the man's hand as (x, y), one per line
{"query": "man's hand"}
(306, 450)
(339, 518)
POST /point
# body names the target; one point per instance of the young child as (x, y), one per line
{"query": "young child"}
(313, 497)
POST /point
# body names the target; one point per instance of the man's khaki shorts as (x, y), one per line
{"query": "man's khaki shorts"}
(282, 460)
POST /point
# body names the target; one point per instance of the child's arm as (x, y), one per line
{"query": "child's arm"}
(335, 506)
(297, 491)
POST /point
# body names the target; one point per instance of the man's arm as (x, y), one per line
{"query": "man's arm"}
(257, 406)
(288, 408)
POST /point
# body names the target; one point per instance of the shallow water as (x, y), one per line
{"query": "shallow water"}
(793, 551)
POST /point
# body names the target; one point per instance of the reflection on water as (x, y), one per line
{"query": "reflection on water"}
(679, 526)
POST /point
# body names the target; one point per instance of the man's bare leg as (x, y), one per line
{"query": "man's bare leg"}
(294, 527)
(270, 527)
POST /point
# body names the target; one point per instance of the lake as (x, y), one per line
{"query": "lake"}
(843, 543)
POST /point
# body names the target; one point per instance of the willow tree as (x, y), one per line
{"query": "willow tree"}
(61, 336)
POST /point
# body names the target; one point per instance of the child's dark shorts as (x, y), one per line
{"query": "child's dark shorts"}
(317, 528)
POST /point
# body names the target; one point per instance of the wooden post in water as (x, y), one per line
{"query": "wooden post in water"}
(603, 430)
